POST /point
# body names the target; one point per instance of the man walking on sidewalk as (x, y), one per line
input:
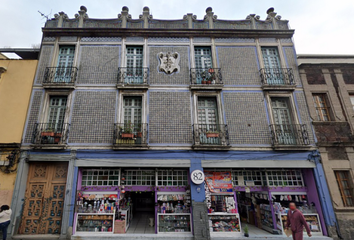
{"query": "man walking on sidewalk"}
(297, 222)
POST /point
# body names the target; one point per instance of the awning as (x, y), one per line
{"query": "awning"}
(106, 162)
(257, 164)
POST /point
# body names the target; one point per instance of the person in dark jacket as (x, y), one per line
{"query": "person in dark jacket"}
(296, 221)
(5, 215)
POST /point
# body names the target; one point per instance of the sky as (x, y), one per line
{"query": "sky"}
(321, 26)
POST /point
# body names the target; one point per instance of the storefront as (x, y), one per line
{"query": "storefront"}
(132, 201)
(259, 198)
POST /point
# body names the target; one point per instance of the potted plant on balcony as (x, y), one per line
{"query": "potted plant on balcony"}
(49, 132)
(212, 134)
(139, 133)
(57, 137)
(203, 76)
(127, 131)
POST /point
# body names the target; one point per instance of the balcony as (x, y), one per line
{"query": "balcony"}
(289, 136)
(277, 79)
(210, 137)
(130, 136)
(210, 79)
(60, 77)
(50, 135)
(133, 78)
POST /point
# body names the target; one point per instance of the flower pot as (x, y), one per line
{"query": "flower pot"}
(211, 70)
(47, 134)
(208, 82)
(203, 82)
(57, 135)
(140, 134)
(212, 135)
(57, 139)
(128, 135)
(246, 235)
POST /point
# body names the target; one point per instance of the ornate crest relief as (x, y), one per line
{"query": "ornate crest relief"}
(169, 62)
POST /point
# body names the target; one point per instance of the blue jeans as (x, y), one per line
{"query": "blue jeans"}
(3, 228)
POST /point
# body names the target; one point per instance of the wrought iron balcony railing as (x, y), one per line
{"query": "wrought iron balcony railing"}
(50, 133)
(207, 77)
(60, 75)
(129, 134)
(277, 76)
(210, 134)
(133, 75)
(289, 134)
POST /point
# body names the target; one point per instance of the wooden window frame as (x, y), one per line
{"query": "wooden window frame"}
(339, 180)
(318, 108)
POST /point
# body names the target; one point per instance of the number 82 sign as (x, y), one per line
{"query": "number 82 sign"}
(197, 177)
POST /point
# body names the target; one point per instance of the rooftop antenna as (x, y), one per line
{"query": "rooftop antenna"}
(45, 16)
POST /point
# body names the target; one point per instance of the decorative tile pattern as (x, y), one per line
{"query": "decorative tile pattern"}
(68, 39)
(51, 23)
(44, 61)
(267, 40)
(33, 114)
(239, 65)
(304, 114)
(71, 23)
(291, 60)
(223, 24)
(181, 77)
(135, 24)
(202, 40)
(168, 24)
(168, 40)
(170, 118)
(98, 65)
(102, 23)
(234, 40)
(283, 25)
(48, 39)
(135, 39)
(101, 39)
(285, 40)
(244, 129)
(200, 25)
(264, 25)
(93, 117)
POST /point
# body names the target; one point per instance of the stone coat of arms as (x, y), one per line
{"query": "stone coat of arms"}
(169, 62)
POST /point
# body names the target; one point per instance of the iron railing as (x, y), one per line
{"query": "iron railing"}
(206, 76)
(60, 75)
(211, 134)
(133, 75)
(50, 133)
(277, 76)
(289, 134)
(130, 134)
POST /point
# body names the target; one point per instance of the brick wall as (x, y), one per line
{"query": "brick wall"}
(93, 116)
(239, 65)
(170, 118)
(98, 64)
(246, 118)
(33, 114)
(181, 77)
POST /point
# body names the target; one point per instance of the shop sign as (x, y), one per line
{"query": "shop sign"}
(197, 177)
(219, 181)
(249, 183)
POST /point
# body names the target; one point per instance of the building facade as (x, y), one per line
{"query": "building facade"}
(179, 124)
(328, 83)
(16, 78)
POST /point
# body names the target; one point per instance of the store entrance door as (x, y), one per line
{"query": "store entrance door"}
(143, 213)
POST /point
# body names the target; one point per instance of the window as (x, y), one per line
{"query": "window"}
(132, 112)
(257, 177)
(100, 177)
(321, 106)
(203, 59)
(345, 187)
(140, 177)
(56, 112)
(352, 100)
(134, 72)
(172, 178)
(65, 64)
(285, 178)
(272, 66)
(208, 122)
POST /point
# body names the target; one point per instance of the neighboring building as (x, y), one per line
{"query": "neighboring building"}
(138, 112)
(328, 81)
(16, 80)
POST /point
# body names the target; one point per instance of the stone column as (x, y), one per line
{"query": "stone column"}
(210, 17)
(190, 17)
(124, 15)
(271, 17)
(81, 16)
(60, 16)
(146, 16)
(253, 19)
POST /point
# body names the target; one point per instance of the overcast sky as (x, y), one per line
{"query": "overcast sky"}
(321, 26)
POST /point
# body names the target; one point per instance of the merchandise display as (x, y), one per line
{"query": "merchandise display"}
(224, 222)
(174, 222)
(94, 223)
